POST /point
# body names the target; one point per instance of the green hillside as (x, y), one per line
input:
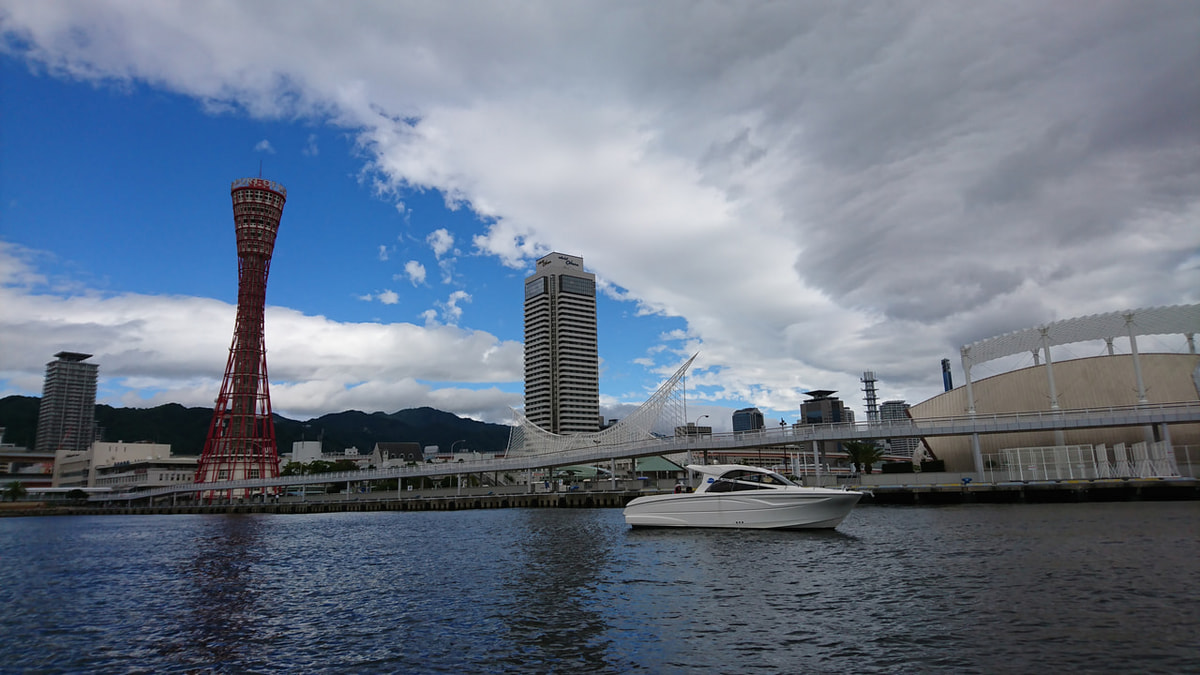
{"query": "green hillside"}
(186, 428)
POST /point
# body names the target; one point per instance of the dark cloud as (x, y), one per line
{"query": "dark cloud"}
(810, 185)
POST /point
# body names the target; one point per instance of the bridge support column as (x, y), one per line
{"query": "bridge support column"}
(966, 365)
(1059, 437)
(977, 455)
(1137, 362)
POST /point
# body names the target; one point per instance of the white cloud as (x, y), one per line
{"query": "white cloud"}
(441, 241)
(383, 252)
(817, 191)
(264, 146)
(173, 349)
(415, 272)
(386, 296)
(310, 146)
(451, 312)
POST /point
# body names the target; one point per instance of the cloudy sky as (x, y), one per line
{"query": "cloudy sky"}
(798, 191)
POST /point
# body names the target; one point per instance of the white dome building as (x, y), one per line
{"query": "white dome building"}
(1111, 380)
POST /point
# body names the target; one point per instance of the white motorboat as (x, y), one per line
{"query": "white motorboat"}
(737, 496)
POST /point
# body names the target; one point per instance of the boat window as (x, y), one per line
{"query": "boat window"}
(744, 484)
(759, 479)
(776, 479)
(721, 485)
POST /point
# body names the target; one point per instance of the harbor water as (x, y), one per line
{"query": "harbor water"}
(1094, 587)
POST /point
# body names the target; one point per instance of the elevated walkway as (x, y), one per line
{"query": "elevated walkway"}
(1178, 413)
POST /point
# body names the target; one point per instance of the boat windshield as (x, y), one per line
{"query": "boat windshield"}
(742, 479)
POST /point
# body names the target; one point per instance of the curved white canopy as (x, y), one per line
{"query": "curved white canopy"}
(1173, 319)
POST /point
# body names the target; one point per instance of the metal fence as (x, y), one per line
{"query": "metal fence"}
(1065, 462)
(1187, 458)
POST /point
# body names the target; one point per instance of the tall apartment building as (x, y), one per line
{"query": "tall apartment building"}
(562, 362)
(898, 410)
(67, 416)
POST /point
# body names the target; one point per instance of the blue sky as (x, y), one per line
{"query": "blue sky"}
(798, 193)
(125, 189)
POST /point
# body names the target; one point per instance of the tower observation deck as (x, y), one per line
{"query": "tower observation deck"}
(241, 438)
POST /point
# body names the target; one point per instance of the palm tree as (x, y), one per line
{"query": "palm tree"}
(862, 454)
(14, 491)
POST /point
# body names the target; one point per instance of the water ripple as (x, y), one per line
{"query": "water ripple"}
(970, 589)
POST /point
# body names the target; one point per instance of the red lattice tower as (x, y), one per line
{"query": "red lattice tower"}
(241, 439)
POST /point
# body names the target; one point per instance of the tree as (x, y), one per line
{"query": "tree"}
(344, 465)
(292, 469)
(14, 491)
(319, 466)
(862, 454)
(77, 496)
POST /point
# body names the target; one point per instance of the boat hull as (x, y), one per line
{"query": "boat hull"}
(802, 508)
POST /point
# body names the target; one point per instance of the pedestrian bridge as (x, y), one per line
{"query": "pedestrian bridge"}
(598, 451)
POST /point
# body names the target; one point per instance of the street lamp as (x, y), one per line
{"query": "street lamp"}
(463, 440)
(696, 426)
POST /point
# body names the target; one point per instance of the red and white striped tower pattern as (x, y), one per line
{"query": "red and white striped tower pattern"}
(241, 438)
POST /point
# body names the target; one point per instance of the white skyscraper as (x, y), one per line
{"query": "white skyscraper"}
(562, 373)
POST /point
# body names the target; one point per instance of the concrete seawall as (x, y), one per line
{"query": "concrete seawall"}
(1038, 492)
(1032, 492)
(573, 500)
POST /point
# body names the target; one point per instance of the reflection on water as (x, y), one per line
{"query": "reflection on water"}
(554, 588)
(220, 620)
(987, 588)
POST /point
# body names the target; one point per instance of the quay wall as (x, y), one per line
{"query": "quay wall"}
(1030, 492)
(586, 500)
(1038, 492)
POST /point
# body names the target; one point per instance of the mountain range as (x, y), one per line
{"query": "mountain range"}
(185, 429)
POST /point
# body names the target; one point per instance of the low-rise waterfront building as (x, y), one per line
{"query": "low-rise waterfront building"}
(74, 468)
(389, 454)
(148, 473)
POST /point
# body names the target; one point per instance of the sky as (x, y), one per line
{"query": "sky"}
(798, 191)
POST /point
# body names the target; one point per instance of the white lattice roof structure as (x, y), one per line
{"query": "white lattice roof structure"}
(526, 438)
(1169, 320)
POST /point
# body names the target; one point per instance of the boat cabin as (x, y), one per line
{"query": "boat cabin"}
(743, 478)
